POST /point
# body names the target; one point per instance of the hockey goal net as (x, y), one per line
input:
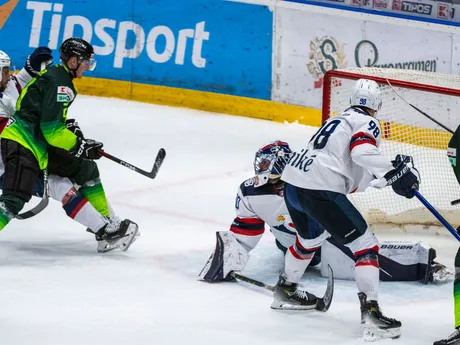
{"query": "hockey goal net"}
(406, 131)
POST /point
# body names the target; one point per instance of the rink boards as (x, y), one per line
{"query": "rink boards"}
(257, 58)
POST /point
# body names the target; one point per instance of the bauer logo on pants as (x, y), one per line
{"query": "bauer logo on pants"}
(65, 94)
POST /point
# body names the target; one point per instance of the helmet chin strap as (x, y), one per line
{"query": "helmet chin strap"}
(73, 70)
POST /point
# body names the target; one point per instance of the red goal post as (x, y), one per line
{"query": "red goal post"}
(406, 131)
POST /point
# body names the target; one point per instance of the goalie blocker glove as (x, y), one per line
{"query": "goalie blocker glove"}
(404, 178)
(87, 149)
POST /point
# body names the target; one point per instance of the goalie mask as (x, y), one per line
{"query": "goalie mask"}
(366, 93)
(270, 161)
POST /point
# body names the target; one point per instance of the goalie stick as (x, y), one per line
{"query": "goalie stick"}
(152, 174)
(42, 204)
(322, 304)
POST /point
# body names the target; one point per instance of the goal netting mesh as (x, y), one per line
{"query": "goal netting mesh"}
(407, 131)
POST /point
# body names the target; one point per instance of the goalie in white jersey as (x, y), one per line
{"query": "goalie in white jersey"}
(340, 157)
(61, 189)
(259, 201)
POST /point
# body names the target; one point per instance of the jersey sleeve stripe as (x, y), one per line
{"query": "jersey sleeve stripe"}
(248, 226)
(361, 138)
(249, 220)
(16, 83)
(246, 232)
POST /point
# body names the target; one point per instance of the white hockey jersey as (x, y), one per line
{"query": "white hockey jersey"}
(256, 207)
(11, 94)
(342, 156)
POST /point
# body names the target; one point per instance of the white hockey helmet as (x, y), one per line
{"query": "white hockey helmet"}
(366, 93)
(5, 61)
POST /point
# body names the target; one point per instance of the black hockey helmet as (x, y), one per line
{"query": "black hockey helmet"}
(76, 47)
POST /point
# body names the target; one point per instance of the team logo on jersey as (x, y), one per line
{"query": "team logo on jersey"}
(285, 220)
(5, 10)
(65, 94)
(10, 122)
(326, 53)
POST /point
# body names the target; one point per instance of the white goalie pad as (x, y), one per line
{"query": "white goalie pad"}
(399, 261)
(228, 256)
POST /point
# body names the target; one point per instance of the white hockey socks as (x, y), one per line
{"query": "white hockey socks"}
(299, 256)
(74, 204)
(367, 273)
(295, 265)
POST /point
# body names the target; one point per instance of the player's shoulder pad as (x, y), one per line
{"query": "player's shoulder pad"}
(248, 188)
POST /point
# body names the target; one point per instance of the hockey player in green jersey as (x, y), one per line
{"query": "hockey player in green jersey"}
(454, 338)
(36, 138)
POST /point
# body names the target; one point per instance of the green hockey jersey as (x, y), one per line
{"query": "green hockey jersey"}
(41, 112)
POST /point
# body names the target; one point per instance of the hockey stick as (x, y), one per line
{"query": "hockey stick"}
(437, 214)
(152, 174)
(420, 111)
(322, 304)
(42, 204)
(252, 281)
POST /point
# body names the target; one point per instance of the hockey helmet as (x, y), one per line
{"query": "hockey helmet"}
(366, 93)
(5, 61)
(270, 160)
(80, 48)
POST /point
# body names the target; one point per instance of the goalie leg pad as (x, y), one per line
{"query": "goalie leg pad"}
(229, 255)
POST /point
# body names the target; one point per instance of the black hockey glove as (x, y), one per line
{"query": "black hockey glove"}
(40, 59)
(87, 149)
(404, 178)
(73, 126)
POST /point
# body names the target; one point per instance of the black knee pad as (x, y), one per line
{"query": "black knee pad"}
(21, 170)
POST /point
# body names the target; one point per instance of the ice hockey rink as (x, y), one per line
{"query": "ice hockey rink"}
(55, 288)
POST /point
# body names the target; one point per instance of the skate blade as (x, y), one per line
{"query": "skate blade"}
(105, 247)
(130, 237)
(281, 305)
(374, 333)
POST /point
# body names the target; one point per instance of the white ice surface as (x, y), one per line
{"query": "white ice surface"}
(55, 289)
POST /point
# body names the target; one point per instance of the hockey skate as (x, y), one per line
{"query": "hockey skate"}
(116, 234)
(453, 339)
(288, 296)
(375, 325)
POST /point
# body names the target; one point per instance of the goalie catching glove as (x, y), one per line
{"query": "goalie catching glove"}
(87, 149)
(404, 178)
